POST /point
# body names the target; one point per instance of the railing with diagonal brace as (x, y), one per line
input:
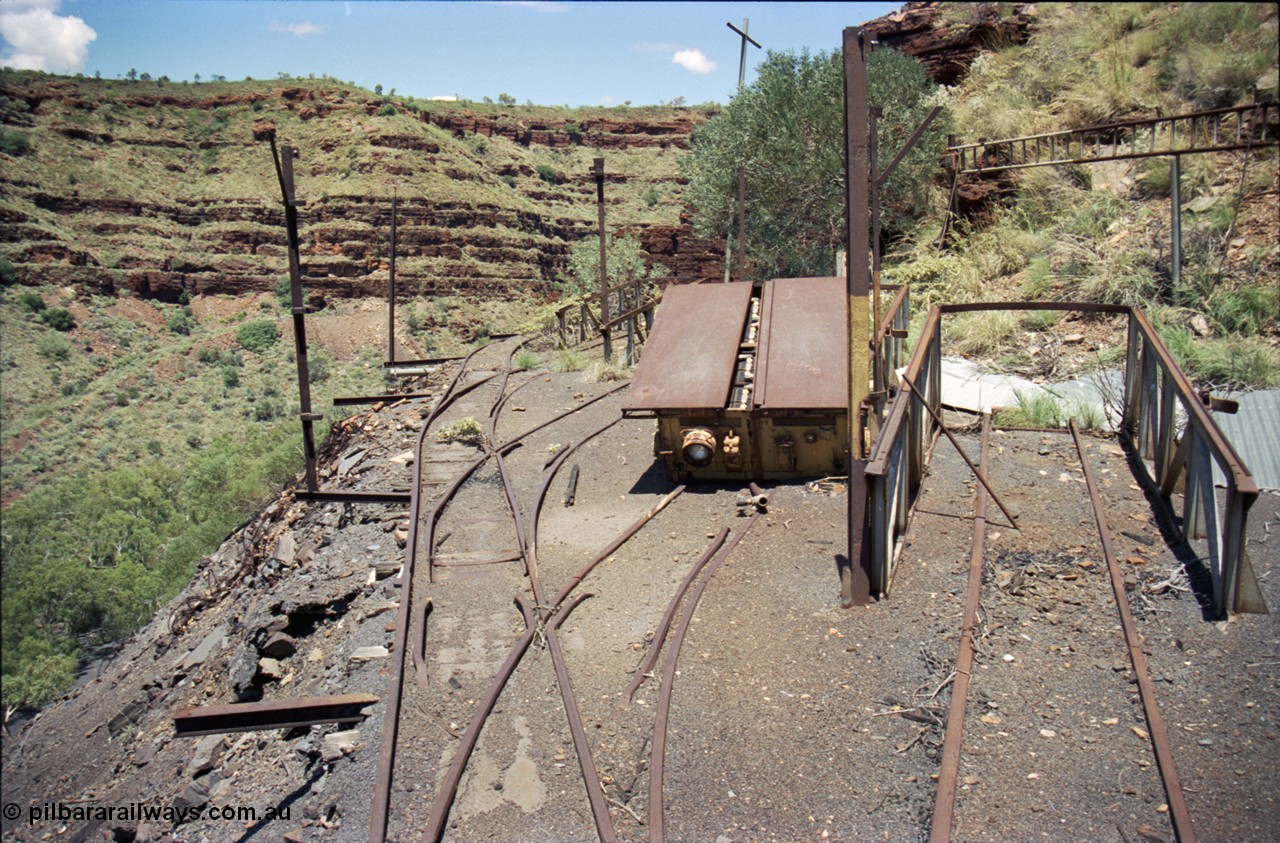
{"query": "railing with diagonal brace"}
(1157, 395)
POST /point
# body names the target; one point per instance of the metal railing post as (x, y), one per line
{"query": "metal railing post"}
(1132, 397)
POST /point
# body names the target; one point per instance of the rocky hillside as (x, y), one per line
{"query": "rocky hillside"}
(164, 188)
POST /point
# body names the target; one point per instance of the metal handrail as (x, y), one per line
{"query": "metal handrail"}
(895, 468)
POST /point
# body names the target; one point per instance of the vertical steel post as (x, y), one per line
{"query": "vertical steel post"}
(873, 156)
(285, 172)
(1175, 215)
(605, 328)
(1132, 384)
(391, 289)
(742, 76)
(858, 281)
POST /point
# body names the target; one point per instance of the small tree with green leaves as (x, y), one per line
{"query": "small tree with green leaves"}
(284, 291)
(623, 262)
(548, 173)
(31, 301)
(58, 318)
(181, 322)
(786, 130)
(13, 142)
(257, 336)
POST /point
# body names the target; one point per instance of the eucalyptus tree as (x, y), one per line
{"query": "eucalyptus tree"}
(786, 129)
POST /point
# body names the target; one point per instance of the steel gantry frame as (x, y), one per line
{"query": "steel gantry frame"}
(1239, 128)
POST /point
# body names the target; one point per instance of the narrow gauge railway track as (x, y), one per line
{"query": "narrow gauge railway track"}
(957, 815)
(471, 701)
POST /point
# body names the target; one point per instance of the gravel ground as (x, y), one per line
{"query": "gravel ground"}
(791, 719)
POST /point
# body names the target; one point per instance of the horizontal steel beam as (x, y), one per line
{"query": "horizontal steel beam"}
(353, 400)
(338, 496)
(432, 361)
(1091, 159)
(196, 720)
(1145, 122)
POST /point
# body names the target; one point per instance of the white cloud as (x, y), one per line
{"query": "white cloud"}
(694, 61)
(299, 30)
(38, 39)
(607, 100)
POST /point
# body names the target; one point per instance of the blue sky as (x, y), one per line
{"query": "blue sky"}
(552, 53)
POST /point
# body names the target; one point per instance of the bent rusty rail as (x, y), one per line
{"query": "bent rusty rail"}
(1156, 396)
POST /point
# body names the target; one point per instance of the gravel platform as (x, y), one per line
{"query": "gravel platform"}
(791, 718)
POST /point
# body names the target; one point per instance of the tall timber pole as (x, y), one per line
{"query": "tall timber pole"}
(858, 281)
(391, 288)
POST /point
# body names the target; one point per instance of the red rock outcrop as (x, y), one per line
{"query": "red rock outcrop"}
(947, 37)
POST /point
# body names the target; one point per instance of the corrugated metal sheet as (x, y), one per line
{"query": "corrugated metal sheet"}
(803, 359)
(689, 359)
(1254, 432)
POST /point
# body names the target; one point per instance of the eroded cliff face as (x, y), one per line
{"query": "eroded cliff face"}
(947, 37)
(163, 189)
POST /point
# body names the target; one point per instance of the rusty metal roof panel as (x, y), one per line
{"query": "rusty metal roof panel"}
(689, 358)
(802, 362)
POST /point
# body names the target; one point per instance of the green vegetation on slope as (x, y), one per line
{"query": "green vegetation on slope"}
(1102, 232)
(132, 184)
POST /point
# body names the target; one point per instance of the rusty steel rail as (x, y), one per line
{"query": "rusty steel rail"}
(550, 629)
(645, 669)
(545, 619)
(381, 805)
(1178, 812)
(356, 400)
(193, 721)
(944, 800)
(559, 609)
(448, 789)
(658, 747)
(1155, 389)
